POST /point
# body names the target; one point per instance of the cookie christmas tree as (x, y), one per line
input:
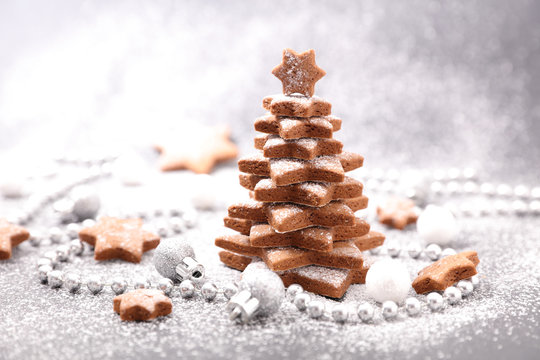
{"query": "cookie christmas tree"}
(301, 219)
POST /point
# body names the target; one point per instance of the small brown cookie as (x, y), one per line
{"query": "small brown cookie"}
(398, 213)
(298, 72)
(446, 272)
(297, 106)
(284, 217)
(296, 128)
(305, 148)
(243, 226)
(316, 279)
(11, 235)
(119, 239)
(307, 193)
(313, 238)
(198, 150)
(142, 305)
(288, 171)
(344, 255)
(369, 241)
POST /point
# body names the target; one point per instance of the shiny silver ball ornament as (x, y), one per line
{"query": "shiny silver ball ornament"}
(414, 250)
(475, 280)
(413, 306)
(466, 287)
(452, 295)
(187, 288)
(229, 290)
(209, 291)
(261, 293)
(76, 247)
(315, 309)
(55, 278)
(166, 285)
(72, 282)
(389, 309)
(86, 203)
(62, 252)
(301, 301)
(340, 313)
(43, 271)
(94, 284)
(175, 259)
(393, 249)
(433, 252)
(365, 312)
(119, 286)
(435, 301)
(141, 283)
(293, 290)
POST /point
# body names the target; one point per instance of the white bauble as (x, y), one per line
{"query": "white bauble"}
(388, 280)
(437, 225)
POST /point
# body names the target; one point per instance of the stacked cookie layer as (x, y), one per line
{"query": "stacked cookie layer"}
(301, 218)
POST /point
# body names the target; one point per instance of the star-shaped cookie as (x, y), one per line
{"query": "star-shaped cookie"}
(142, 305)
(398, 213)
(119, 239)
(197, 149)
(298, 72)
(10, 236)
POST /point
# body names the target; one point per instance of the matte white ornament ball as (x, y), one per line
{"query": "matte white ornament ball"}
(388, 280)
(437, 225)
(264, 285)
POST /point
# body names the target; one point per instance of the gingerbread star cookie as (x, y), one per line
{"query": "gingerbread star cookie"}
(10, 236)
(296, 128)
(142, 305)
(398, 213)
(119, 239)
(197, 149)
(298, 72)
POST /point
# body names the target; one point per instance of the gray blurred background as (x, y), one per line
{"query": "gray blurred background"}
(417, 83)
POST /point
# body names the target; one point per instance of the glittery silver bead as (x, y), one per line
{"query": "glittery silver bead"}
(209, 291)
(389, 309)
(433, 252)
(393, 248)
(365, 312)
(452, 295)
(166, 285)
(51, 255)
(412, 306)
(475, 280)
(119, 286)
(229, 290)
(448, 252)
(177, 224)
(94, 284)
(315, 309)
(435, 301)
(293, 290)
(44, 261)
(340, 313)
(141, 283)
(487, 189)
(72, 230)
(301, 301)
(55, 235)
(414, 250)
(76, 247)
(62, 252)
(55, 278)
(43, 270)
(187, 289)
(466, 287)
(72, 282)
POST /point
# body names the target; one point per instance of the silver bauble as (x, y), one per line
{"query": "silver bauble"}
(169, 254)
(264, 285)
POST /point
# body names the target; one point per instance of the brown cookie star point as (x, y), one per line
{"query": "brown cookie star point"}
(123, 239)
(142, 305)
(397, 212)
(298, 72)
(11, 235)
